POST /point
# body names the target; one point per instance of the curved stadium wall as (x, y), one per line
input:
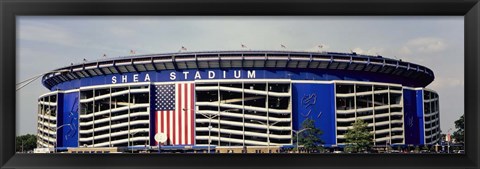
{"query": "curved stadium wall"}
(249, 98)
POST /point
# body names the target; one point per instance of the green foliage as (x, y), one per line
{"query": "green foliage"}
(358, 138)
(349, 149)
(310, 138)
(425, 147)
(28, 142)
(459, 134)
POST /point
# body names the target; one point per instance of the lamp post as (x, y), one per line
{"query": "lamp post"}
(56, 130)
(209, 117)
(22, 146)
(268, 131)
(386, 145)
(448, 140)
(298, 132)
(229, 137)
(134, 134)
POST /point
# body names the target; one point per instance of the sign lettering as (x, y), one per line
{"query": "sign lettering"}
(185, 75)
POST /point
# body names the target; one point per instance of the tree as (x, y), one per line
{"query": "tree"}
(432, 148)
(358, 138)
(425, 147)
(459, 134)
(310, 139)
(25, 143)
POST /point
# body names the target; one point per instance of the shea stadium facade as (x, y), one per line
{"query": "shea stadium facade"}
(235, 99)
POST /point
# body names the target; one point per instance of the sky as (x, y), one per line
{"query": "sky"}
(45, 43)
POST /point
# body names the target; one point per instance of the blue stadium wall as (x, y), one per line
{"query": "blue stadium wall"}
(413, 117)
(68, 118)
(322, 112)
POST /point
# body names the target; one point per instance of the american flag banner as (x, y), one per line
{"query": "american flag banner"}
(174, 112)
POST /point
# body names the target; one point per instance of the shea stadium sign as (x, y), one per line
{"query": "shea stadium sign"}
(186, 75)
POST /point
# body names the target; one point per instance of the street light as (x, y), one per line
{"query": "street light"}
(209, 117)
(268, 131)
(448, 141)
(22, 146)
(134, 134)
(56, 130)
(229, 137)
(386, 145)
(298, 132)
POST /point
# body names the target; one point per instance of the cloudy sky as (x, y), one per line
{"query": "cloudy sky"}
(46, 43)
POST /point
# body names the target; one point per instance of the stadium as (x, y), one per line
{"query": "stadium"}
(235, 101)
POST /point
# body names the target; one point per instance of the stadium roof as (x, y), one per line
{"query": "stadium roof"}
(240, 59)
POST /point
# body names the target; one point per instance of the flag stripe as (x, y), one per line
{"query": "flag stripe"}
(164, 123)
(192, 115)
(185, 104)
(160, 123)
(174, 117)
(187, 113)
(169, 128)
(156, 125)
(179, 113)
(184, 115)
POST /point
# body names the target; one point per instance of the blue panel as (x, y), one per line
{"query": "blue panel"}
(60, 118)
(202, 74)
(152, 116)
(68, 117)
(421, 126)
(315, 101)
(413, 121)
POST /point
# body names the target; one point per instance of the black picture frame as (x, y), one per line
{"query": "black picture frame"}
(9, 9)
